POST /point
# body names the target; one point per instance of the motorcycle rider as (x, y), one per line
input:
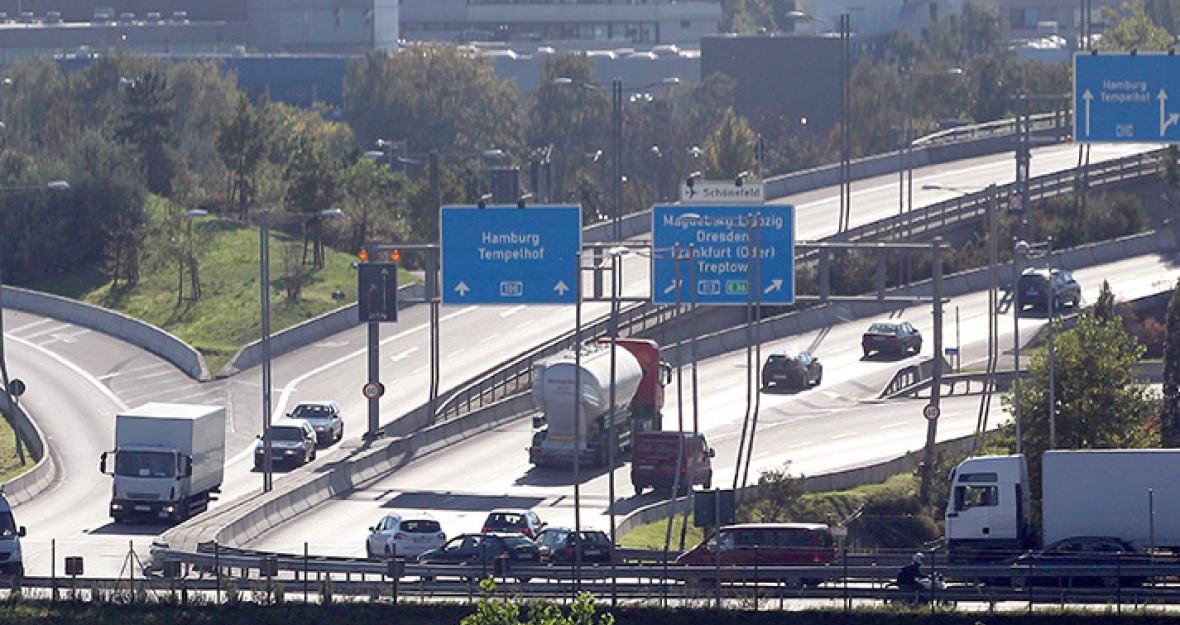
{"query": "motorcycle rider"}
(911, 577)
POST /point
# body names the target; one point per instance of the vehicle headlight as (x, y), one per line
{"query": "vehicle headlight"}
(289, 452)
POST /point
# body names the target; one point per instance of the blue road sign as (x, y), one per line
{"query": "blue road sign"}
(500, 255)
(723, 240)
(1126, 98)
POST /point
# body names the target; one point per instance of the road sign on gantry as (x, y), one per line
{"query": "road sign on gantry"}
(723, 240)
(510, 255)
(1126, 98)
(377, 292)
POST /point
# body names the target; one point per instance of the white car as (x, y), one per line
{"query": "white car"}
(404, 534)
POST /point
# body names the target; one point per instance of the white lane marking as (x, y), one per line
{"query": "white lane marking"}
(403, 355)
(798, 445)
(845, 435)
(27, 326)
(511, 311)
(52, 330)
(76, 369)
(895, 424)
(490, 337)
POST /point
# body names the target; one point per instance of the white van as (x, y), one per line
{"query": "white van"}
(11, 563)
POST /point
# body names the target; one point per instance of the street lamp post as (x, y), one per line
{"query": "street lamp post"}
(1019, 252)
(906, 149)
(616, 253)
(617, 91)
(264, 294)
(190, 258)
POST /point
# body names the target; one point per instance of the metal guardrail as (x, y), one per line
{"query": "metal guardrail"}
(514, 376)
(859, 575)
(972, 206)
(1039, 122)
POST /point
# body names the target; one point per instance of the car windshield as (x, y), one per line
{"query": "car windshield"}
(286, 434)
(506, 518)
(311, 412)
(421, 526)
(145, 464)
(883, 328)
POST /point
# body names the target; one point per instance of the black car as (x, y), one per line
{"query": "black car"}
(891, 337)
(558, 546)
(1057, 564)
(324, 417)
(292, 443)
(1037, 285)
(485, 553)
(793, 370)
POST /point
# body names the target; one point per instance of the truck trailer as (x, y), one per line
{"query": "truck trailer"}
(168, 461)
(639, 376)
(1130, 494)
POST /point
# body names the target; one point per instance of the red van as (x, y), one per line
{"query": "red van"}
(654, 456)
(767, 544)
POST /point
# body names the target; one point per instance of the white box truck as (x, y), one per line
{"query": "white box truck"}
(1131, 494)
(168, 461)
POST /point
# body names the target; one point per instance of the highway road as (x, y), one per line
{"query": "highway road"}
(78, 379)
(839, 425)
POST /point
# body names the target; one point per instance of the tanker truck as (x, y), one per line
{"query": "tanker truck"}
(640, 376)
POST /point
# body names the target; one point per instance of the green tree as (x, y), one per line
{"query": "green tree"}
(146, 124)
(1165, 14)
(1100, 404)
(730, 148)
(977, 31)
(241, 143)
(434, 96)
(574, 117)
(1170, 409)
(1131, 28)
(1104, 307)
(373, 198)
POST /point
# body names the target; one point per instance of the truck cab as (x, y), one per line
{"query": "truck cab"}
(987, 514)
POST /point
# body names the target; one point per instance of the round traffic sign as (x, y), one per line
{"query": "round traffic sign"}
(931, 412)
(373, 390)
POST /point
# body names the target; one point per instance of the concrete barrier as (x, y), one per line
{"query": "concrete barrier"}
(34, 481)
(118, 325)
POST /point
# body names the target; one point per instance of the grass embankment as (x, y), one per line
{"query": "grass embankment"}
(12, 464)
(226, 316)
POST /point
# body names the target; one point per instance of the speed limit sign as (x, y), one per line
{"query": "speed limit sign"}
(931, 412)
(373, 390)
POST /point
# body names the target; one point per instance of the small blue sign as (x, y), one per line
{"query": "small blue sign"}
(510, 255)
(723, 239)
(1132, 98)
